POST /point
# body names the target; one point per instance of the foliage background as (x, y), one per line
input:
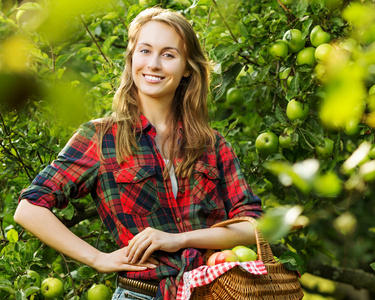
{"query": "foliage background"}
(60, 63)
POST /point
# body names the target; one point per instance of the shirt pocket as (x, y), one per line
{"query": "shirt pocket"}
(205, 190)
(138, 190)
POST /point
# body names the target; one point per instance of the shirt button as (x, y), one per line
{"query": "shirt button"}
(178, 220)
(182, 191)
(135, 178)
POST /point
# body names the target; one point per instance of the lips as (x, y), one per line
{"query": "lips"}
(153, 78)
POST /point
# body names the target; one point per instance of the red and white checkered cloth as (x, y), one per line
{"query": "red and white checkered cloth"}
(205, 275)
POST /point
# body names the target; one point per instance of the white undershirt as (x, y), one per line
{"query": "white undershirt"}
(172, 175)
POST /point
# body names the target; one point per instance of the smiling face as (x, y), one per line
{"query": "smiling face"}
(158, 62)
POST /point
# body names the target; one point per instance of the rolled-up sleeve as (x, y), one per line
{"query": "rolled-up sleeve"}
(235, 191)
(72, 175)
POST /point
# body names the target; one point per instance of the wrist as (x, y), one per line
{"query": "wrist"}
(96, 260)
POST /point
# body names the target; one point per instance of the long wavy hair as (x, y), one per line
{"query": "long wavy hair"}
(189, 106)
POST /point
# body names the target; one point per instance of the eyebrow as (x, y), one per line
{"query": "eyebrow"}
(165, 48)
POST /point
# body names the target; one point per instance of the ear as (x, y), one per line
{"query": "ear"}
(187, 73)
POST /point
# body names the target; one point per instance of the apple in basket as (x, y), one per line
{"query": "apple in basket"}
(245, 254)
(212, 258)
(226, 256)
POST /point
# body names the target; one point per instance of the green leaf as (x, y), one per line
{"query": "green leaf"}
(12, 236)
(299, 9)
(20, 295)
(228, 78)
(243, 30)
(7, 288)
(372, 265)
(222, 52)
(62, 59)
(107, 43)
(111, 15)
(68, 212)
(31, 290)
(280, 115)
(86, 272)
(291, 260)
(278, 221)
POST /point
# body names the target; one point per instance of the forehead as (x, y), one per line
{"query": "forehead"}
(159, 34)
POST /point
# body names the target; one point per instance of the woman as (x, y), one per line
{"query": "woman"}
(160, 177)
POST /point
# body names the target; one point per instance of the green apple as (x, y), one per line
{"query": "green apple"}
(279, 49)
(323, 53)
(320, 72)
(296, 110)
(327, 184)
(245, 253)
(371, 154)
(351, 127)
(318, 36)
(345, 223)
(287, 2)
(52, 288)
(235, 96)
(289, 138)
(99, 292)
(306, 56)
(267, 143)
(293, 38)
(326, 149)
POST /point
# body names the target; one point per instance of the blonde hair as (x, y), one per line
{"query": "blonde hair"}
(189, 106)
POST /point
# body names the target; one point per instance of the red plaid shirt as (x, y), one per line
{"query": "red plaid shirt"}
(134, 195)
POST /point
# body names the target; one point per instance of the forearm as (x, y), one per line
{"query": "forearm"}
(219, 237)
(47, 227)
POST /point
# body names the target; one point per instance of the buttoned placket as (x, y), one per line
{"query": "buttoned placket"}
(167, 183)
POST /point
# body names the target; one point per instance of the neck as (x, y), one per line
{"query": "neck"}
(157, 112)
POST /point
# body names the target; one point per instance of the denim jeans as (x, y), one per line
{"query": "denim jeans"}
(122, 294)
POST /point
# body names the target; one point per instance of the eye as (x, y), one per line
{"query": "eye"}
(145, 51)
(168, 55)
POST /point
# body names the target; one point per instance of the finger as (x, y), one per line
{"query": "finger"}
(152, 260)
(148, 252)
(137, 249)
(134, 268)
(140, 249)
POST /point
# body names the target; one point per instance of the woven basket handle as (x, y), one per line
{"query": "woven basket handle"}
(263, 248)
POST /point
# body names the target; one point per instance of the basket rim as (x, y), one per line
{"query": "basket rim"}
(263, 247)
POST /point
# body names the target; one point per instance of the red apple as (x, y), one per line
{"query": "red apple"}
(212, 258)
(226, 256)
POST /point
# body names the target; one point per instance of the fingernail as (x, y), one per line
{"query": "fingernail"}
(152, 266)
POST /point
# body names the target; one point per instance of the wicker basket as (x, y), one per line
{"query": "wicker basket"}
(279, 283)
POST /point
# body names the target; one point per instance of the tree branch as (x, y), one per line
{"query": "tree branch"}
(93, 38)
(83, 215)
(225, 22)
(359, 279)
(17, 155)
(355, 277)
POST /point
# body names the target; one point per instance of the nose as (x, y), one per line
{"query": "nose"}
(154, 62)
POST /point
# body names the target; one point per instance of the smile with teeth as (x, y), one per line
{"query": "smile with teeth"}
(153, 78)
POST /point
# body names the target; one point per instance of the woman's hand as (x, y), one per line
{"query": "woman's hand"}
(118, 261)
(149, 240)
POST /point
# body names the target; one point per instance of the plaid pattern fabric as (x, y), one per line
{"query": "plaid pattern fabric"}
(134, 195)
(206, 274)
